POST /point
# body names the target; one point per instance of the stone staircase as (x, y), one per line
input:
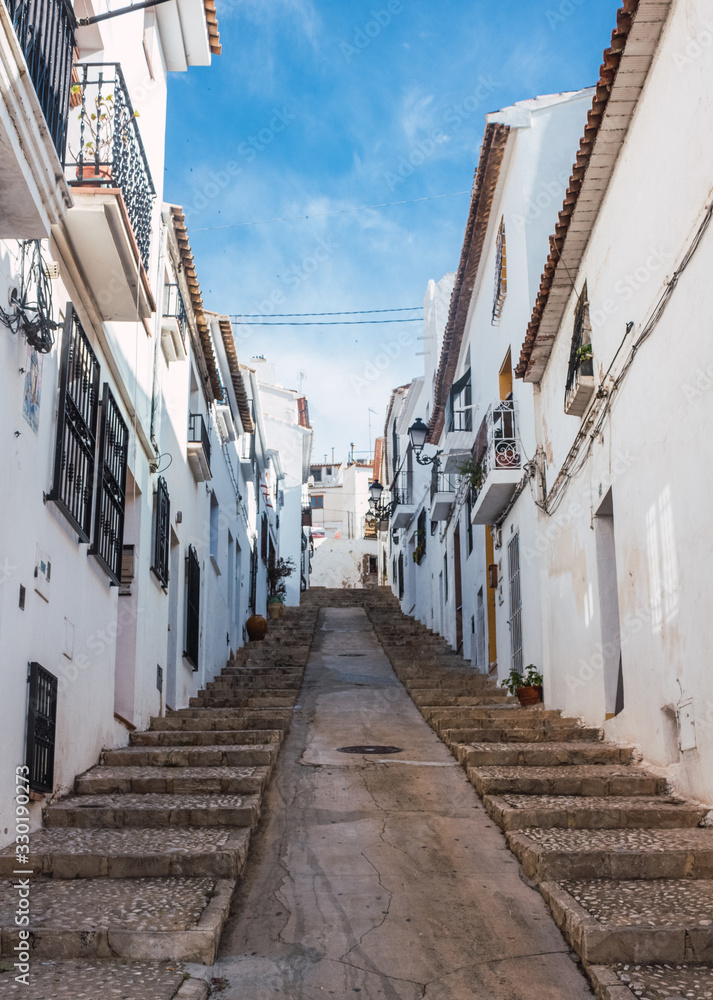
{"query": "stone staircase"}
(625, 866)
(135, 871)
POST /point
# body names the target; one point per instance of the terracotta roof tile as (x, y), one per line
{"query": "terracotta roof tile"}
(212, 23)
(621, 78)
(236, 377)
(486, 178)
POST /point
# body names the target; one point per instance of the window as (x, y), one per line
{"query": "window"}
(162, 529)
(580, 355)
(469, 500)
(317, 503)
(317, 475)
(373, 565)
(329, 470)
(41, 727)
(111, 488)
(73, 485)
(193, 602)
(214, 528)
(460, 398)
(501, 274)
(419, 553)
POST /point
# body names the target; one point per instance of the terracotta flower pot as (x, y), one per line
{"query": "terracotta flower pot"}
(90, 172)
(275, 610)
(256, 627)
(529, 695)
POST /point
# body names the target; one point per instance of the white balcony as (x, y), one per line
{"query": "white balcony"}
(497, 451)
(402, 494)
(580, 389)
(443, 494)
(198, 451)
(36, 44)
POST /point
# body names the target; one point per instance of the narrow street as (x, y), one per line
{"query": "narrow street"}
(381, 874)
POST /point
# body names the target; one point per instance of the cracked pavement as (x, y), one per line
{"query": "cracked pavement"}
(381, 876)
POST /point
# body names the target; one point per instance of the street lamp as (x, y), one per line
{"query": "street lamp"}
(418, 432)
(376, 509)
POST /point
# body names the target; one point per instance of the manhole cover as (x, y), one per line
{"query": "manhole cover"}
(369, 749)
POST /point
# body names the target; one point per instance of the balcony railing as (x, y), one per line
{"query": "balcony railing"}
(402, 490)
(104, 147)
(173, 305)
(442, 482)
(45, 31)
(496, 443)
(198, 434)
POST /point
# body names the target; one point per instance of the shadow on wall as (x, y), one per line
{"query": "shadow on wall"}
(345, 563)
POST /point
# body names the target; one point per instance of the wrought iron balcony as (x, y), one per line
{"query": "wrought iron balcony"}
(496, 452)
(45, 31)
(443, 490)
(104, 147)
(402, 498)
(174, 323)
(199, 448)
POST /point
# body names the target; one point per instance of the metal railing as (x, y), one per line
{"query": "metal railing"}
(173, 305)
(442, 482)
(496, 443)
(402, 490)
(45, 31)
(104, 147)
(198, 433)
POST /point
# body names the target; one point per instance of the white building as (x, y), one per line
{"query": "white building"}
(453, 549)
(624, 541)
(344, 539)
(139, 508)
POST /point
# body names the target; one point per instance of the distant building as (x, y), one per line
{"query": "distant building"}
(344, 539)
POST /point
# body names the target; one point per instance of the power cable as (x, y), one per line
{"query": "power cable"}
(322, 215)
(343, 312)
(348, 322)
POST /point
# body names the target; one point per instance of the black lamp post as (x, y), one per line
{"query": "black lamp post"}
(418, 432)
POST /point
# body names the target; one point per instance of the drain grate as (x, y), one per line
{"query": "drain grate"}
(369, 749)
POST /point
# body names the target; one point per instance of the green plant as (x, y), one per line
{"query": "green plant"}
(584, 353)
(531, 678)
(102, 124)
(420, 551)
(277, 573)
(472, 470)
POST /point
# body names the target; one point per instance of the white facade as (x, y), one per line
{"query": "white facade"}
(624, 549)
(467, 393)
(345, 544)
(102, 526)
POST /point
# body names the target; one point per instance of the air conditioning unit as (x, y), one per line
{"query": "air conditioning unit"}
(224, 420)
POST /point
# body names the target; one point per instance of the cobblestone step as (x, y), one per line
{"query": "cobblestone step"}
(541, 734)
(547, 855)
(431, 698)
(103, 979)
(582, 779)
(140, 919)
(203, 738)
(239, 700)
(113, 812)
(195, 852)
(634, 921)
(210, 721)
(261, 715)
(668, 981)
(104, 780)
(540, 754)
(519, 812)
(504, 714)
(257, 755)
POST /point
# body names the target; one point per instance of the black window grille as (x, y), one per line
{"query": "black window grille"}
(111, 488)
(45, 31)
(73, 485)
(501, 274)
(264, 532)
(421, 534)
(460, 399)
(193, 607)
(162, 531)
(41, 728)
(253, 579)
(469, 502)
(580, 355)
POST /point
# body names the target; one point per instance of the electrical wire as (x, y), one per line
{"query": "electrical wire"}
(322, 215)
(347, 322)
(343, 312)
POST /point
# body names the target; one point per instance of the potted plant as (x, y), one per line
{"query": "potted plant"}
(277, 572)
(473, 472)
(420, 551)
(101, 124)
(527, 686)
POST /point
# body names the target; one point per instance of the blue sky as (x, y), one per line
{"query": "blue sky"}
(315, 107)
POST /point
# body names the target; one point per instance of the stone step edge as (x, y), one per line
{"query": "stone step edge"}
(199, 944)
(497, 808)
(601, 944)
